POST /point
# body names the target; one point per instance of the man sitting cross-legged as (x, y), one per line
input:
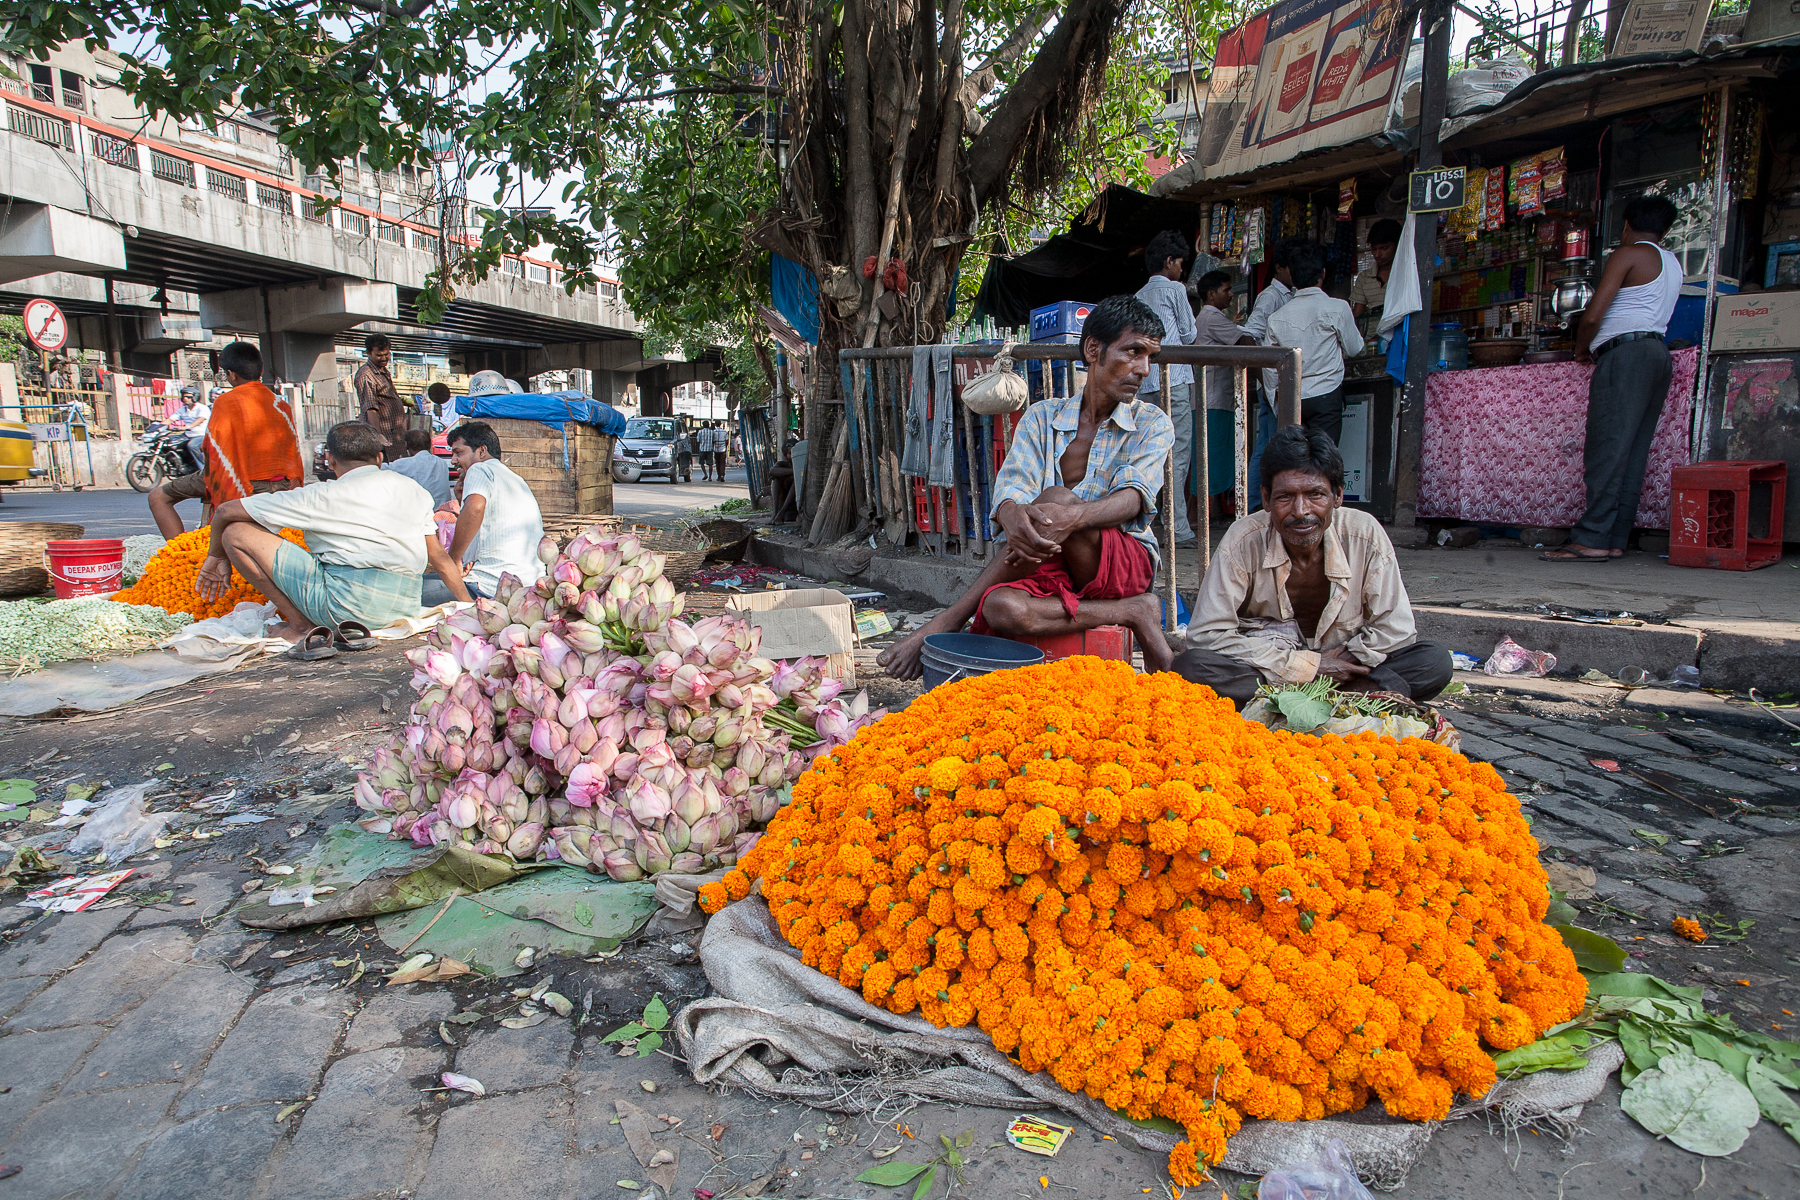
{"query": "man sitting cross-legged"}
(1307, 588)
(1076, 500)
(370, 537)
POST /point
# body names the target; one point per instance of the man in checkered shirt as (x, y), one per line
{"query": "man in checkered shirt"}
(1076, 501)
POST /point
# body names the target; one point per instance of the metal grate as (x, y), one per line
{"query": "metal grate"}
(52, 131)
(276, 199)
(117, 151)
(354, 222)
(230, 186)
(390, 233)
(175, 170)
(512, 266)
(309, 208)
(425, 241)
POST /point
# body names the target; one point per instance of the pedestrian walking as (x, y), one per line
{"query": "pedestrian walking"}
(378, 404)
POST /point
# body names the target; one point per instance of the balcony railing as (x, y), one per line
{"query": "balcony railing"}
(275, 199)
(229, 186)
(52, 131)
(171, 169)
(425, 241)
(390, 233)
(117, 151)
(353, 222)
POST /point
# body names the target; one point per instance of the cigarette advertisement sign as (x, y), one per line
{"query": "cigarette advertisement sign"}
(1303, 75)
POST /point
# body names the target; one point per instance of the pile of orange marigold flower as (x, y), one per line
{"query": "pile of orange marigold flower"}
(168, 578)
(1177, 911)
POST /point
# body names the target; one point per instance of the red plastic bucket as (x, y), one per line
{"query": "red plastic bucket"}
(86, 566)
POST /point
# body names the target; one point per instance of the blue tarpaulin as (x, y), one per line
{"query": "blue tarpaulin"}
(552, 408)
(796, 296)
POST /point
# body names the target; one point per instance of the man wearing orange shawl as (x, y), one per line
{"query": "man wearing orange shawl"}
(251, 445)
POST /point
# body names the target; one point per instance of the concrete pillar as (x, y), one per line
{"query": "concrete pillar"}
(300, 357)
(121, 402)
(298, 324)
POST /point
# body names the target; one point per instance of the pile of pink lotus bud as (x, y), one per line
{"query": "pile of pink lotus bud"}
(578, 719)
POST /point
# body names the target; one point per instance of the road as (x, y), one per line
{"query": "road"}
(121, 512)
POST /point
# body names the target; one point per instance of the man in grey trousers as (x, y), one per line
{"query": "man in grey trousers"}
(1622, 335)
(1166, 296)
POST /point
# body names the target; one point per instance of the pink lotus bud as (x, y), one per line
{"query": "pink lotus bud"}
(568, 851)
(367, 798)
(463, 810)
(456, 723)
(653, 853)
(586, 782)
(524, 841)
(531, 609)
(547, 737)
(556, 652)
(687, 863)
(611, 727)
(703, 728)
(675, 834)
(629, 547)
(553, 677)
(583, 637)
(566, 758)
(573, 707)
(498, 828)
(567, 596)
(690, 684)
(491, 615)
(775, 771)
(592, 610)
(736, 782)
(566, 572)
(453, 757)
(511, 638)
(647, 737)
(508, 587)
(795, 765)
(528, 661)
(727, 733)
(438, 665)
(701, 756)
(689, 801)
(535, 783)
(730, 696)
(648, 802)
(704, 834)
(622, 866)
(547, 551)
(751, 757)
(582, 736)
(625, 766)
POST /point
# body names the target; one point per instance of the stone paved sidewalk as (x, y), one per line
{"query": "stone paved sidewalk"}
(158, 1050)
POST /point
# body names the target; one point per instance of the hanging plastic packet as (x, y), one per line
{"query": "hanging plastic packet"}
(1553, 165)
(1467, 219)
(1527, 187)
(1346, 198)
(1493, 213)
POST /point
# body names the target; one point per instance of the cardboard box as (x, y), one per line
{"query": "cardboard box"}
(796, 623)
(1757, 321)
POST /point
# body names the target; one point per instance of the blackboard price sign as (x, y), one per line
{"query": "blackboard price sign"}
(1436, 190)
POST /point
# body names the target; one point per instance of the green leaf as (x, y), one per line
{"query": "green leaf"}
(925, 1182)
(1630, 983)
(649, 1044)
(584, 913)
(1776, 1104)
(892, 1174)
(1694, 1103)
(1636, 1044)
(1593, 951)
(965, 1139)
(656, 1013)
(1549, 1054)
(16, 813)
(1301, 711)
(1730, 1057)
(625, 1033)
(1560, 912)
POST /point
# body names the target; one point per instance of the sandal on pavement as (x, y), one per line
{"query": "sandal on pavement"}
(314, 646)
(353, 636)
(1575, 556)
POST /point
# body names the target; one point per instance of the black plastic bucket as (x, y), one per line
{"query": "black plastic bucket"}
(948, 657)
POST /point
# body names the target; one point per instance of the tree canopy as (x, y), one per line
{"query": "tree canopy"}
(689, 140)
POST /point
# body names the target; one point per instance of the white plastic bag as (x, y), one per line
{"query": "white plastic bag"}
(120, 827)
(1510, 658)
(219, 638)
(1403, 281)
(1484, 82)
(1329, 1177)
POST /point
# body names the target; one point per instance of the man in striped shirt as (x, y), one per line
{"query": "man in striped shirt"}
(1076, 500)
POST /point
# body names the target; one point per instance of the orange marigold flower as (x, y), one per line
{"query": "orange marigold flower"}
(1688, 928)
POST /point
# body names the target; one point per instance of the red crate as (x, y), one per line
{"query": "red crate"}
(1103, 641)
(1727, 515)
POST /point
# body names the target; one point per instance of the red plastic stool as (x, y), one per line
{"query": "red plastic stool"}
(1103, 641)
(1727, 515)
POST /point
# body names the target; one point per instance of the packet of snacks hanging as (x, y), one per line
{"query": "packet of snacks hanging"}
(1346, 198)
(1553, 166)
(1493, 211)
(1467, 219)
(1527, 190)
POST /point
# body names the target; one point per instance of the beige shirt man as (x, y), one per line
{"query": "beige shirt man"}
(1244, 610)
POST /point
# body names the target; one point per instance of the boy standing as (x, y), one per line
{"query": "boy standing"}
(1324, 330)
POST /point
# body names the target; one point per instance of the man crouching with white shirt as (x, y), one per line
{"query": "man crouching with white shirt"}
(369, 539)
(500, 524)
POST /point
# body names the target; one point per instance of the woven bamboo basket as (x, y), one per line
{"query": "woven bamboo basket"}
(685, 551)
(22, 571)
(563, 527)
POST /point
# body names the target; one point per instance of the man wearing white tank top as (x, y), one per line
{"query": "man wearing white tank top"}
(1622, 335)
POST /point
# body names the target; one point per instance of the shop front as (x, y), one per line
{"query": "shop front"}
(1547, 174)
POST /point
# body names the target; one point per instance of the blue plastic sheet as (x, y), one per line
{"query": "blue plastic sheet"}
(551, 408)
(796, 295)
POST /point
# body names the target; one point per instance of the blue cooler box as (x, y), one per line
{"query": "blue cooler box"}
(1064, 317)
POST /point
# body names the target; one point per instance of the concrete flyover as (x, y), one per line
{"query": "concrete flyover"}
(155, 240)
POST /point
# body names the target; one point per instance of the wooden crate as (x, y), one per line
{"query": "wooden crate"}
(566, 476)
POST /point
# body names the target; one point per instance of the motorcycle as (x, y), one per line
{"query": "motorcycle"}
(165, 456)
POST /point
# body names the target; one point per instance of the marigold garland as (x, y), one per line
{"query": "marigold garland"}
(1688, 928)
(1177, 911)
(168, 578)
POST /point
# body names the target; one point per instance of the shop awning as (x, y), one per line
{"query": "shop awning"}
(1100, 255)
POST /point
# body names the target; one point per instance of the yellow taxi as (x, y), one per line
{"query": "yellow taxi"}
(15, 452)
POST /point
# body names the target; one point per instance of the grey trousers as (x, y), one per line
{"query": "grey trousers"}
(1625, 400)
(1420, 671)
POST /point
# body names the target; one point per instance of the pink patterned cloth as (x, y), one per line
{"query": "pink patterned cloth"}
(1503, 445)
